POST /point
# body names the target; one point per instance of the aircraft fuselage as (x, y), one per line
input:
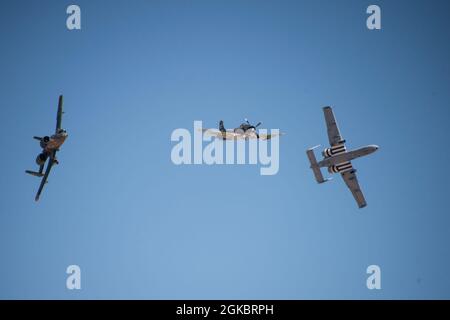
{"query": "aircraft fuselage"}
(347, 156)
(55, 142)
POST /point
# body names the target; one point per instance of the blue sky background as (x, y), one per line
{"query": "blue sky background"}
(140, 227)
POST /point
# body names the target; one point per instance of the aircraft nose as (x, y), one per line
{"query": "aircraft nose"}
(375, 147)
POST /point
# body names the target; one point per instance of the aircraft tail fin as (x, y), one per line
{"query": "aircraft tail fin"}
(222, 127)
(34, 173)
(315, 168)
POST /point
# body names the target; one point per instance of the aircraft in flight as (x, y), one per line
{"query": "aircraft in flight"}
(338, 160)
(244, 131)
(50, 145)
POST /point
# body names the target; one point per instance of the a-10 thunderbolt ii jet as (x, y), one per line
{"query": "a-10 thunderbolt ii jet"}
(338, 159)
(50, 145)
(244, 131)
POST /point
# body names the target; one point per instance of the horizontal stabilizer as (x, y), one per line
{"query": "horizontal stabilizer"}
(315, 168)
(33, 173)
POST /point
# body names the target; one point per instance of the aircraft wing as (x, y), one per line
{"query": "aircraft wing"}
(352, 183)
(228, 135)
(334, 136)
(269, 136)
(47, 172)
(59, 114)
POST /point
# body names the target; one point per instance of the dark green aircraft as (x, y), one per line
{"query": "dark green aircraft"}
(50, 145)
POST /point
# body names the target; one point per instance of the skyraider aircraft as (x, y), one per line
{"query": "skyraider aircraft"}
(337, 158)
(50, 145)
(245, 131)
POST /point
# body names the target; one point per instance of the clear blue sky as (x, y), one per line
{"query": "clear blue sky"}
(141, 227)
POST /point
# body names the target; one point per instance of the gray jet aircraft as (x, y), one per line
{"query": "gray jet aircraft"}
(338, 159)
(50, 145)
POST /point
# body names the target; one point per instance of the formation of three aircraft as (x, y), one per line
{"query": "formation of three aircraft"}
(336, 158)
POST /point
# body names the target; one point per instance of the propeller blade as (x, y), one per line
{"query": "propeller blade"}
(259, 123)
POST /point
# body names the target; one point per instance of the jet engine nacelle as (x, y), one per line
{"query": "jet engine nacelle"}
(329, 152)
(44, 141)
(342, 167)
(41, 158)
